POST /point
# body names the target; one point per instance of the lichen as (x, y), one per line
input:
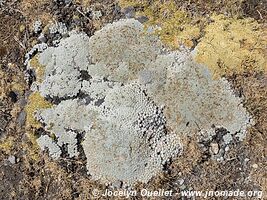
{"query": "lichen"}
(188, 35)
(35, 102)
(45, 141)
(131, 116)
(134, 3)
(65, 121)
(7, 144)
(130, 135)
(170, 20)
(125, 38)
(62, 75)
(233, 46)
(38, 68)
(173, 25)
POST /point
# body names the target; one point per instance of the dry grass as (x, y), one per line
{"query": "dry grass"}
(34, 10)
(253, 86)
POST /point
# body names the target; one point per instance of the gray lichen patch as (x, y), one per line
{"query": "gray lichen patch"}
(65, 121)
(46, 142)
(129, 141)
(124, 48)
(63, 66)
(194, 101)
(131, 100)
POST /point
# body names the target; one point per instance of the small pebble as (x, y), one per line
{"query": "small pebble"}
(255, 166)
(181, 181)
(129, 12)
(142, 19)
(22, 28)
(214, 147)
(21, 118)
(12, 159)
(182, 187)
(117, 184)
(42, 38)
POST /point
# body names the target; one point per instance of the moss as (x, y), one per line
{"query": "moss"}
(233, 45)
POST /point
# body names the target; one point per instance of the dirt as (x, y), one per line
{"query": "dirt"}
(34, 175)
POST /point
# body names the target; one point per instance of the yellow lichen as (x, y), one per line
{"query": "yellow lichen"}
(168, 18)
(18, 86)
(32, 147)
(134, 3)
(39, 69)
(233, 45)
(35, 102)
(173, 24)
(188, 35)
(7, 144)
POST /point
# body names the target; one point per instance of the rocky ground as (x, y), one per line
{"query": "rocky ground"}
(28, 173)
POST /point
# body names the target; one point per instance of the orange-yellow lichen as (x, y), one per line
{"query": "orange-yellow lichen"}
(233, 45)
